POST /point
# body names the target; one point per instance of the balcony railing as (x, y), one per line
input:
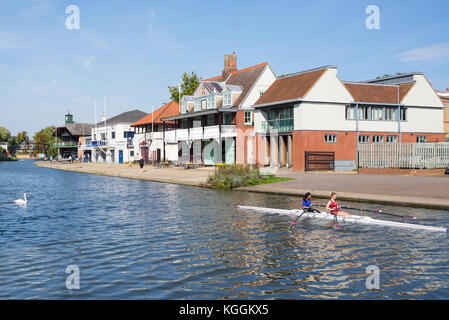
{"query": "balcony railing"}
(182, 134)
(65, 144)
(283, 125)
(196, 133)
(170, 136)
(228, 131)
(211, 132)
(99, 143)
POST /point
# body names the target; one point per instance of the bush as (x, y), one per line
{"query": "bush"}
(233, 176)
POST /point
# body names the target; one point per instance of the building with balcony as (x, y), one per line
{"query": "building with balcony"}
(113, 139)
(70, 136)
(215, 124)
(157, 138)
(314, 112)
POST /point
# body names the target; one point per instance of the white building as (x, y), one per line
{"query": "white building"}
(113, 139)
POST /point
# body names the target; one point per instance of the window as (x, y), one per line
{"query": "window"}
(227, 99)
(364, 139)
(403, 114)
(392, 139)
(261, 92)
(377, 113)
(184, 123)
(95, 136)
(131, 153)
(227, 118)
(350, 112)
(113, 135)
(103, 136)
(184, 107)
(204, 104)
(363, 113)
(378, 139)
(421, 139)
(391, 114)
(331, 138)
(210, 120)
(248, 118)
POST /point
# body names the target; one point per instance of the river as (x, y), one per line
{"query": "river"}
(133, 239)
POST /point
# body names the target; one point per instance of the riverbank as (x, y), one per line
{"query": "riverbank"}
(415, 191)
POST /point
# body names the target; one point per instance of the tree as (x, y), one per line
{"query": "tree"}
(12, 145)
(188, 85)
(44, 140)
(4, 134)
(22, 137)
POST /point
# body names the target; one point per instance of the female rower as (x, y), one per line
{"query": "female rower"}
(307, 203)
(332, 206)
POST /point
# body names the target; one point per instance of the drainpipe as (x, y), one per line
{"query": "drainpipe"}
(358, 133)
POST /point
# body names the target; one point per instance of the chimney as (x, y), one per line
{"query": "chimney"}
(230, 65)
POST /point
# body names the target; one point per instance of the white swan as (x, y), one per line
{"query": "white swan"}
(22, 201)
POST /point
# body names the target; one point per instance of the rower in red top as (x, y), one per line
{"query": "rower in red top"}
(332, 206)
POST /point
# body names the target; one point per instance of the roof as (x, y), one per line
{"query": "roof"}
(291, 87)
(246, 79)
(167, 110)
(125, 117)
(77, 128)
(378, 93)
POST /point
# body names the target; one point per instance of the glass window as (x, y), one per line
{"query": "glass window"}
(421, 139)
(363, 113)
(131, 153)
(113, 135)
(403, 114)
(392, 139)
(350, 112)
(210, 119)
(248, 117)
(377, 113)
(227, 99)
(227, 118)
(332, 138)
(204, 104)
(378, 139)
(391, 114)
(364, 139)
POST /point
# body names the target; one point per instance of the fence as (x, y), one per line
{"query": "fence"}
(404, 155)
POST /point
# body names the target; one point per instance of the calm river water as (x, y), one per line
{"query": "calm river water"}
(135, 239)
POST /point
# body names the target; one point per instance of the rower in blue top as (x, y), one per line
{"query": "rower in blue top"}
(306, 206)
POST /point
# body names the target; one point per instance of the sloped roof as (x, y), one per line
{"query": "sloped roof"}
(77, 129)
(291, 87)
(244, 78)
(363, 92)
(167, 110)
(125, 117)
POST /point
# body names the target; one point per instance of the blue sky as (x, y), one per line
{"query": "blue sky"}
(132, 50)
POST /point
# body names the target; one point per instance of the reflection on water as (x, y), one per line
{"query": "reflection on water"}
(143, 240)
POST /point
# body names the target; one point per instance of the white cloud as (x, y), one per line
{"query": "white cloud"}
(432, 52)
(11, 41)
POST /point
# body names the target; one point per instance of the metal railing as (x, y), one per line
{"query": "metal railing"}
(65, 144)
(282, 125)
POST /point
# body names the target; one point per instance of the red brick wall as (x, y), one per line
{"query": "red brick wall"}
(346, 146)
(243, 135)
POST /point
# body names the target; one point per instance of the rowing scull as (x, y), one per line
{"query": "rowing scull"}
(342, 219)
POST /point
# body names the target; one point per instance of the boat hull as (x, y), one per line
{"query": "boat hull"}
(343, 219)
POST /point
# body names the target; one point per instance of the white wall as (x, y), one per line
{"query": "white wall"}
(422, 94)
(265, 80)
(329, 88)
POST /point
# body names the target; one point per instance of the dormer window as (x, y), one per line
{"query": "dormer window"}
(204, 104)
(227, 99)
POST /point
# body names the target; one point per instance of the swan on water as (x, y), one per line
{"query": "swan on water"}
(22, 201)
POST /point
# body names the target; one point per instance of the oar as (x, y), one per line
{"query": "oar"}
(374, 211)
(294, 221)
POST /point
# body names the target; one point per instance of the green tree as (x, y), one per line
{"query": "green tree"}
(43, 141)
(5, 134)
(188, 85)
(12, 145)
(22, 137)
